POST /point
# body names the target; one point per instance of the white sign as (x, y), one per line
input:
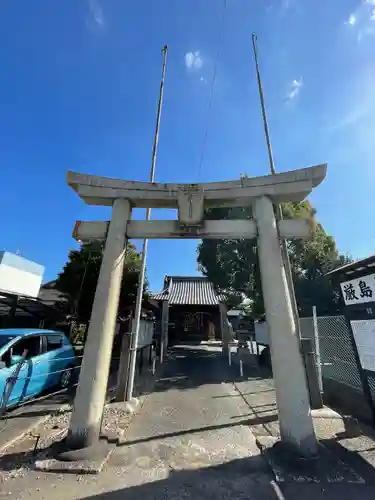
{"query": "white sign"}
(145, 334)
(262, 333)
(359, 290)
(364, 336)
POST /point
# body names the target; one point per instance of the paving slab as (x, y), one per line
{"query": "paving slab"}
(289, 467)
(349, 445)
(91, 461)
(190, 439)
(21, 421)
(193, 427)
(195, 438)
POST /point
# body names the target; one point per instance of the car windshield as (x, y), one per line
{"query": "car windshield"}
(4, 339)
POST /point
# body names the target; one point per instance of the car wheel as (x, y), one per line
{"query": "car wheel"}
(66, 378)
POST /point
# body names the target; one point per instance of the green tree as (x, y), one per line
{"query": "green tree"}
(232, 265)
(80, 274)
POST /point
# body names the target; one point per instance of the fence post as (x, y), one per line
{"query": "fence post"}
(123, 371)
(161, 351)
(307, 349)
(317, 350)
(251, 345)
(153, 362)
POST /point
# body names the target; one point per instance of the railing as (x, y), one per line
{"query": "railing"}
(337, 357)
(70, 364)
(17, 377)
(338, 360)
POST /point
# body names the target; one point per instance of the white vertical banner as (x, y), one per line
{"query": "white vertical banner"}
(364, 336)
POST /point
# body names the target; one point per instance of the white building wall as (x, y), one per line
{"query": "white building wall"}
(20, 276)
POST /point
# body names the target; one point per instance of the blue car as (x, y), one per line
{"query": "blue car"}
(39, 359)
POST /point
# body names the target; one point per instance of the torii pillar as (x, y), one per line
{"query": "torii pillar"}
(296, 426)
(89, 401)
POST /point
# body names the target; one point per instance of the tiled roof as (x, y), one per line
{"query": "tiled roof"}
(188, 291)
(160, 296)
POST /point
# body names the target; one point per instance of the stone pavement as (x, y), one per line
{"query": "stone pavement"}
(22, 420)
(352, 443)
(195, 437)
(189, 440)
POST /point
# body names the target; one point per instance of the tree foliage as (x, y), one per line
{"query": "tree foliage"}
(232, 265)
(79, 278)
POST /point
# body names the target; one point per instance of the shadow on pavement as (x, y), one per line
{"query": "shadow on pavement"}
(189, 366)
(37, 409)
(243, 394)
(39, 406)
(352, 458)
(33, 412)
(237, 479)
(249, 422)
(7, 461)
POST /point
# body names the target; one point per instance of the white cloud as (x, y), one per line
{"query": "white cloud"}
(96, 13)
(352, 117)
(193, 60)
(363, 19)
(352, 19)
(294, 89)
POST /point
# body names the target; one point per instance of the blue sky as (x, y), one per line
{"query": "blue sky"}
(79, 87)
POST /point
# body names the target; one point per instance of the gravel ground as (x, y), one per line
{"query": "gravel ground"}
(191, 439)
(18, 460)
(187, 441)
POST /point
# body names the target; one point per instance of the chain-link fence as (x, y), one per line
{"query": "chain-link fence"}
(338, 358)
(336, 351)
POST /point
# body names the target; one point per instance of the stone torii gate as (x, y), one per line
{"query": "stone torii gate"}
(191, 200)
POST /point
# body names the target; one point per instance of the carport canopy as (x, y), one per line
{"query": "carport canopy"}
(26, 306)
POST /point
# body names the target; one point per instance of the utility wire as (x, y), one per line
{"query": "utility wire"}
(209, 109)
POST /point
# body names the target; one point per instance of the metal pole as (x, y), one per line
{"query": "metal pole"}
(251, 346)
(317, 350)
(278, 211)
(309, 445)
(153, 362)
(138, 307)
(265, 123)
